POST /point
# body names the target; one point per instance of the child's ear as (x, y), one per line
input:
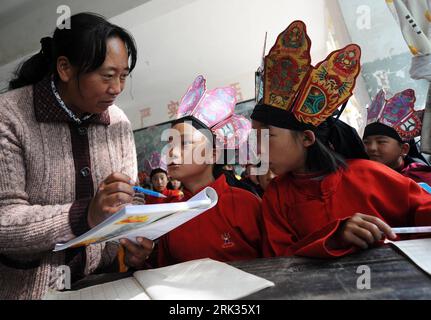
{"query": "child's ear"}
(309, 138)
(64, 69)
(405, 148)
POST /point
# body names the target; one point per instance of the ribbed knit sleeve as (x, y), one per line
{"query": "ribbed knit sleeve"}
(25, 227)
(130, 164)
(41, 203)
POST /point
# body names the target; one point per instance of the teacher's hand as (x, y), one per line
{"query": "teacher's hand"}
(113, 194)
(137, 254)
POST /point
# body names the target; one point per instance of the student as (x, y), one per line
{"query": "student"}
(322, 205)
(67, 156)
(158, 177)
(174, 184)
(389, 136)
(232, 229)
(159, 180)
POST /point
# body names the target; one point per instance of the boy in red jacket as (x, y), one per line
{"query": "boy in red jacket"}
(232, 229)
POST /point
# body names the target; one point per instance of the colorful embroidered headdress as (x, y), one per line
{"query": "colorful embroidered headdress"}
(214, 110)
(397, 113)
(297, 95)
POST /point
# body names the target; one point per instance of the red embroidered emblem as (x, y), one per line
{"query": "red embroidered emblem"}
(227, 242)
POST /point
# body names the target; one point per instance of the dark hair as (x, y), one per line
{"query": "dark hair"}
(336, 141)
(84, 44)
(415, 155)
(320, 158)
(156, 171)
(171, 187)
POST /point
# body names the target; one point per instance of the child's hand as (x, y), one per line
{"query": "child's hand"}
(137, 254)
(362, 231)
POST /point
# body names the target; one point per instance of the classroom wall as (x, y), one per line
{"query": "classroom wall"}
(222, 40)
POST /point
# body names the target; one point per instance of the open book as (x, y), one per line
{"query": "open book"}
(149, 221)
(419, 251)
(204, 279)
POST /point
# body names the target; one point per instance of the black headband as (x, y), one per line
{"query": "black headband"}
(380, 129)
(334, 133)
(278, 118)
(197, 124)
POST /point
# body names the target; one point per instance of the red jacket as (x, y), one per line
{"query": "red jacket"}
(418, 172)
(229, 231)
(300, 213)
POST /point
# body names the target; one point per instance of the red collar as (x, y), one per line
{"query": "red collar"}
(312, 187)
(219, 185)
(47, 109)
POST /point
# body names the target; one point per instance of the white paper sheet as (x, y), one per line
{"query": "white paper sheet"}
(419, 251)
(203, 279)
(149, 221)
(124, 289)
(157, 229)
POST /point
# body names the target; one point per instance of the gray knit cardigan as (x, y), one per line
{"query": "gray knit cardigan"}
(37, 190)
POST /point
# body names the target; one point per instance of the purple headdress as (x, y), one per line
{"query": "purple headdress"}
(398, 113)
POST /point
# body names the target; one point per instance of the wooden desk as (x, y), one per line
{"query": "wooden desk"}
(392, 277)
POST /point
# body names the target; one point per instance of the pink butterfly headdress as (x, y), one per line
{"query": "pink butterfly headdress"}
(215, 109)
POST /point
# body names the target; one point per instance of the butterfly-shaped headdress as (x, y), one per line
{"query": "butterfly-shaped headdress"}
(215, 109)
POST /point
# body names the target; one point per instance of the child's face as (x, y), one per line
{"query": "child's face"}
(285, 150)
(386, 150)
(176, 184)
(159, 181)
(188, 157)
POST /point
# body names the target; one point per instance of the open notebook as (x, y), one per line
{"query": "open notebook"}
(419, 251)
(204, 279)
(149, 221)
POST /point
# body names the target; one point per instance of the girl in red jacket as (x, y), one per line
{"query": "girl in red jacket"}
(232, 229)
(322, 205)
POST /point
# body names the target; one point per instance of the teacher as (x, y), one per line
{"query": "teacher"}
(67, 157)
